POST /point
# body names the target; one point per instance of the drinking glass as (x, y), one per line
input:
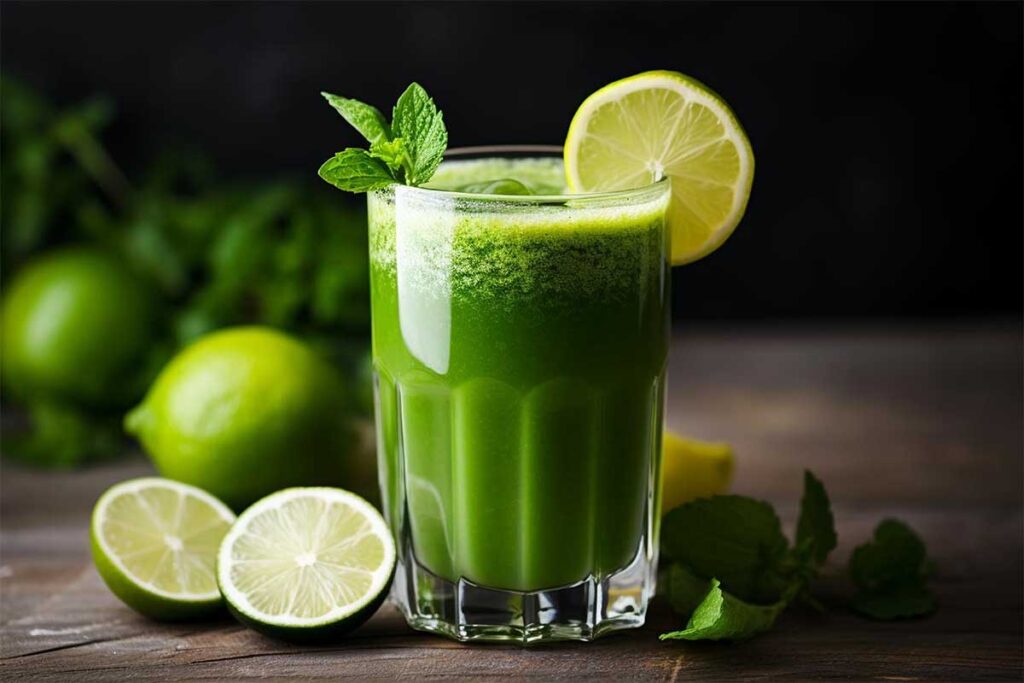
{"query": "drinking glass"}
(519, 350)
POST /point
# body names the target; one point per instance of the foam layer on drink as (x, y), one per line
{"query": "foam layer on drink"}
(547, 251)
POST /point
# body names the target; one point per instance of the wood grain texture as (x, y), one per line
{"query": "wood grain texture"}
(923, 424)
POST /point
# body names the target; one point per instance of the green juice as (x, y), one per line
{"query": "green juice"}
(519, 348)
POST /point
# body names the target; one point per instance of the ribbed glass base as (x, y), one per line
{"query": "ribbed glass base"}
(467, 612)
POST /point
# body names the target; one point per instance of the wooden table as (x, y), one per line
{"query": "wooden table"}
(923, 424)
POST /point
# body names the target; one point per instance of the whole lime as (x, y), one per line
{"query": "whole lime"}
(76, 326)
(244, 412)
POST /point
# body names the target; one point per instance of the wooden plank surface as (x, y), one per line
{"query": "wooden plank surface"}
(924, 424)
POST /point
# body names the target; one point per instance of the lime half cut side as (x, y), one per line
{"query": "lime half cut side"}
(664, 124)
(306, 564)
(155, 541)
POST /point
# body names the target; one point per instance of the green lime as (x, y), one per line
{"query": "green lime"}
(661, 123)
(306, 564)
(244, 412)
(76, 327)
(155, 542)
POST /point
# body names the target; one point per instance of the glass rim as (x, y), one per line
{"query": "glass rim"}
(524, 151)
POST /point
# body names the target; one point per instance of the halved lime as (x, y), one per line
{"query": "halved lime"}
(306, 564)
(661, 123)
(154, 542)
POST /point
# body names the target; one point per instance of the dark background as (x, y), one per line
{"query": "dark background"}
(887, 136)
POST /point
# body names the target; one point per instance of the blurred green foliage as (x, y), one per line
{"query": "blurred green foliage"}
(288, 253)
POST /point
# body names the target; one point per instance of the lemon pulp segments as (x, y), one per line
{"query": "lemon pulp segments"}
(661, 123)
(306, 557)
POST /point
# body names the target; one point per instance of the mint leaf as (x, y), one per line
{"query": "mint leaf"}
(392, 153)
(891, 573)
(408, 150)
(815, 530)
(354, 170)
(895, 555)
(365, 118)
(685, 591)
(736, 539)
(417, 120)
(721, 616)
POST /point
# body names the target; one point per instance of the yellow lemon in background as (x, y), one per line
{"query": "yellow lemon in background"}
(692, 469)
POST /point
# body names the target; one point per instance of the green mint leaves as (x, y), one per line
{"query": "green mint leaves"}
(730, 551)
(735, 539)
(721, 616)
(815, 530)
(365, 118)
(891, 573)
(355, 170)
(420, 125)
(408, 150)
(733, 572)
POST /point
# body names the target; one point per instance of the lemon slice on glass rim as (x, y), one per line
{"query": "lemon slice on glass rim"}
(640, 129)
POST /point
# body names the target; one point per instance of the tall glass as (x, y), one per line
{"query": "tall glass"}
(519, 348)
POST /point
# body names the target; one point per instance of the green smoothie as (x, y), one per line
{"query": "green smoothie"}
(520, 348)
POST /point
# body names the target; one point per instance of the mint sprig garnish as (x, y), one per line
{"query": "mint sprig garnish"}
(733, 572)
(407, 151)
